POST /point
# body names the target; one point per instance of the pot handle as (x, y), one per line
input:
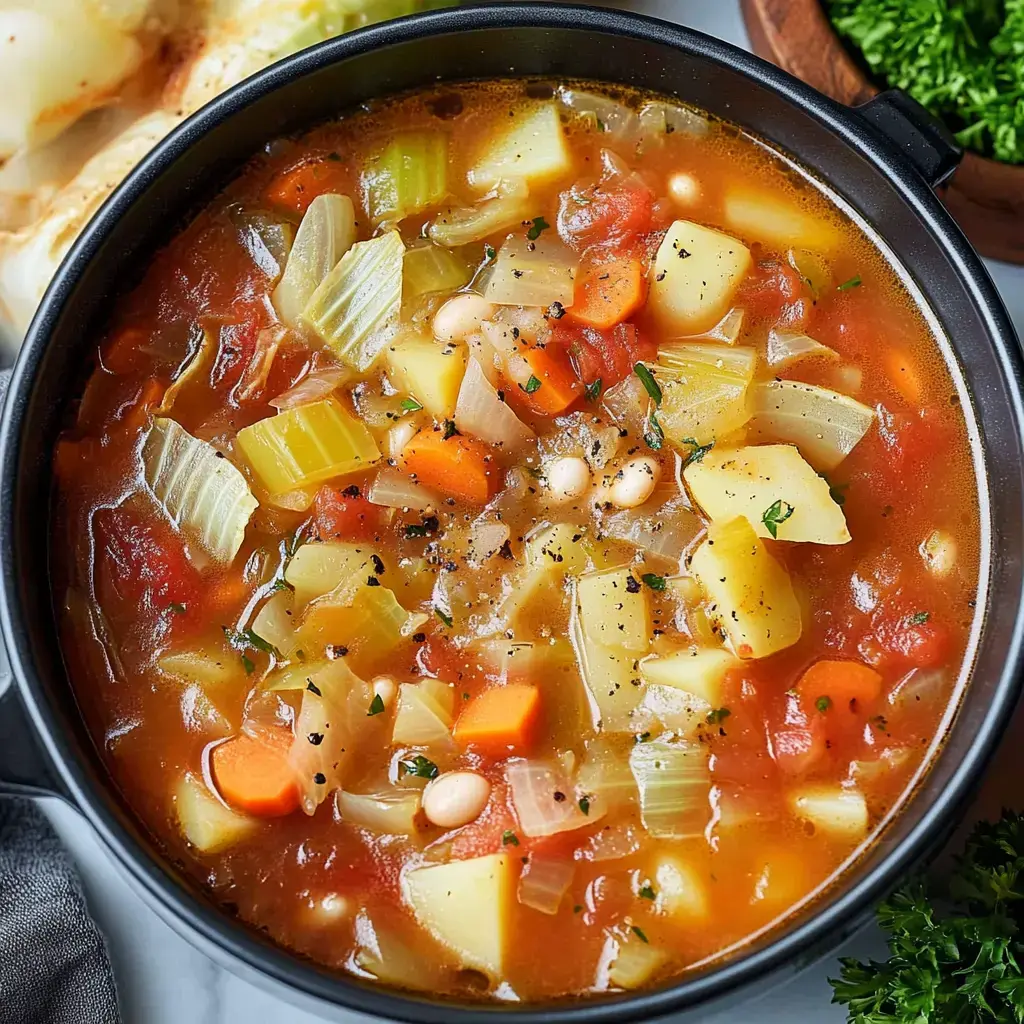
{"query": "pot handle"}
(24, 768)
(922, 139)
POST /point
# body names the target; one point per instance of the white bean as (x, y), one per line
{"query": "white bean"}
(385, 687)
(461, 315)
(684, 188)
(455, 798)
(634, 483)
(568, 478)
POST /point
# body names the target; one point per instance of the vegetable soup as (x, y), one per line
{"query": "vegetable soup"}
(512, 520)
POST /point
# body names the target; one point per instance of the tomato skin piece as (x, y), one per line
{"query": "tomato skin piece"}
(608, 356)
(145, 560)
(345, 516)
(774, 292)
(615, 217)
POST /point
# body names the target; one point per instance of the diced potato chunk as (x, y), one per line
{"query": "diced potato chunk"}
(694, 277)
(532, 149)
(697, 670)
(613, 607)
(636, 962)
(752, 597)
(205, 822)
(559, 546)
(430, 370)
(760, 216)
(679, 890)
(749, 481)
(838, 812)
(467, 906)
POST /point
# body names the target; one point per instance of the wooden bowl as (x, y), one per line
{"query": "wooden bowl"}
(985, 197)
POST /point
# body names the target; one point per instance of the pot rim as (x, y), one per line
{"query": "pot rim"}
(157, 877)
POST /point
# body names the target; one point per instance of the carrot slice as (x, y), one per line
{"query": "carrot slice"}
(459, 466)
(553, 386)
(608, 290)
(297, 188)
(904, 375)
(502, 719)
(841, 682)
(255, 775)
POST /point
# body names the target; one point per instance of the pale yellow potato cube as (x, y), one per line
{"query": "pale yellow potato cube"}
(532, 149)
(430, 370)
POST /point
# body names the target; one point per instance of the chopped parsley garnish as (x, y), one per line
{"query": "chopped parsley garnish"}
(490, 253)
(255, 640)
(533, 384)
(698, 451)
(278, 585)
(509, 838)
(592, 391)
(854, 282)
(420, 766)
(247, 664)
(653, 580)
(651, 386)
(775, 515)
(415, 530)
(654, 436)
(539, 224)
(920, 618)
(443, 616)
(646, 892)
(585, 804)
(638, 932)
(411, 405)
(823, 704)
(716, 716)
(448, 430)
(376, 706)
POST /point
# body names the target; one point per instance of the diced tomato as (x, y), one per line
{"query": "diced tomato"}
(616, 217)
(903, 635)
(143, 560)
(774, 292)
(800, 741)
(296, 188)
(608, 356)
(909, 442)
(344, 514)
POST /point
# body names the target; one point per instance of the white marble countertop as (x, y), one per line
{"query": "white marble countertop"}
(163, 980)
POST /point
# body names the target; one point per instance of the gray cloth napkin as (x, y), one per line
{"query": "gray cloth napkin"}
(54, 967)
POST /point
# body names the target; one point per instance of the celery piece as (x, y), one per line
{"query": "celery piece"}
(433, 268)
(358, 298)
(409, 176)
(205, 496)
(306, 446)
(675, 786)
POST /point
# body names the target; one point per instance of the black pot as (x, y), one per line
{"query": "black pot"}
(883, 158)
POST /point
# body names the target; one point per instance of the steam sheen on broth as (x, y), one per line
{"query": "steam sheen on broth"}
(516, 541)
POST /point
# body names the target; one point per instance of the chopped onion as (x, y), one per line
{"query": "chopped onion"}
(628, 404)
(424, 715)
(675, 787)
(543, 799)
(729, 328)
(480, 412)
(275, 621)
(486, 539)
(396, 490)
(664, 532)
(787, 347)
(200, 359)
(825, 425)
(920, 686)
(610, 116)
(544, 883)
(813, 268)
(613, 842)
(660, 119)
(204, 495)
(314, 387)
(326, 233)
(505, 207)
(529, 273)
(401, 434)
(390, 813)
